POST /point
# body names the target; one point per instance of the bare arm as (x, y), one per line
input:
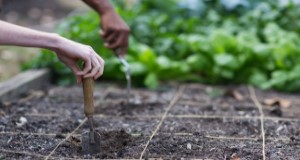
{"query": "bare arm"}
(69, 52)
(115, 31)
(11, 34)
(101, 6)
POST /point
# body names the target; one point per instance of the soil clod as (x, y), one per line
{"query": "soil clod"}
(276, 111)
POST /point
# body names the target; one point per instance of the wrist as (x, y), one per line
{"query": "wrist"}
(100, 6)
(54, 42)
(105, 10)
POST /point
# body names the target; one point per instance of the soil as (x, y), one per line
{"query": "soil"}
(283, 150)
(212, 127)
(29, 143)
(113, 144)
(177, 146)
(203, 123)
(288, 129)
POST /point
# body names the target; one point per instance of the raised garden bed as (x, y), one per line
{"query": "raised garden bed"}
(178, 121)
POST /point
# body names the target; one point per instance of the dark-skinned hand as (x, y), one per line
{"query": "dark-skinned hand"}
(114, 32)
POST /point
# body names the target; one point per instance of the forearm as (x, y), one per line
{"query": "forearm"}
(101, 6)
(11, 34)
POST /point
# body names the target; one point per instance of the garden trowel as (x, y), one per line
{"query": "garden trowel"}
(127, 73)
(128, 76)
(90, 141)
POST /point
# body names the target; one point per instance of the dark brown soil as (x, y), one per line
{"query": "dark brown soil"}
(203, 123)
(278, 150)
(28, 143)
(130, 125)
(177, 146)
(286, 129)
(212, 127)
(14, 156)
(113, 144)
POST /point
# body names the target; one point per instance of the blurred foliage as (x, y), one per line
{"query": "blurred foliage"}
(200, 41)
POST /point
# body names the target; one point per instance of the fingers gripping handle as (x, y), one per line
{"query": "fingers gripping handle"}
(88, 94)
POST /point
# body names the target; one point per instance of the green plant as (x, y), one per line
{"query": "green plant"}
(254, 45)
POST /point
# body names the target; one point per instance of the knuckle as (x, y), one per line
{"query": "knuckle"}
(89, 47)
(87, 55)
(91, 52)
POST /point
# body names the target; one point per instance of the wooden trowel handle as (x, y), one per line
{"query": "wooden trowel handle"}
(88, 94)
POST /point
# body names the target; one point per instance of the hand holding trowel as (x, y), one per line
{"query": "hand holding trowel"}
(91, 141)
(118, 42)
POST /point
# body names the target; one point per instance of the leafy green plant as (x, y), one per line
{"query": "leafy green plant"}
(255, 45)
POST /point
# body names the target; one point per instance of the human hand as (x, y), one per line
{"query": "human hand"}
(115, 32)
(70, 52)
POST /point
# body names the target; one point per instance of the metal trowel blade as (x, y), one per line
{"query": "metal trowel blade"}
(128, 76)
(87, 146)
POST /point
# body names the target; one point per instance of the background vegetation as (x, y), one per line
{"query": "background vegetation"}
(211, 42)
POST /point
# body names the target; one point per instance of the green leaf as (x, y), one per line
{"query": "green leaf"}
(151, 81)
(198, 62)
(258, 78)
(164, 62)
(147, 57)
(222, 41)
(137, 68)
(278, 79)
(226, 60)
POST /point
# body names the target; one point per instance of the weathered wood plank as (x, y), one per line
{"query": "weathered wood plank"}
(23, 82)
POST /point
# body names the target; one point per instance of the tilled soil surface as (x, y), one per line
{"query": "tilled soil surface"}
(179, 121)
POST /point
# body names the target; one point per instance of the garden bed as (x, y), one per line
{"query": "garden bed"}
(177, 121)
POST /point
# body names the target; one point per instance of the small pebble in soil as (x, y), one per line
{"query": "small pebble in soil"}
(21, 122)
(9, 140)
(189, 146)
